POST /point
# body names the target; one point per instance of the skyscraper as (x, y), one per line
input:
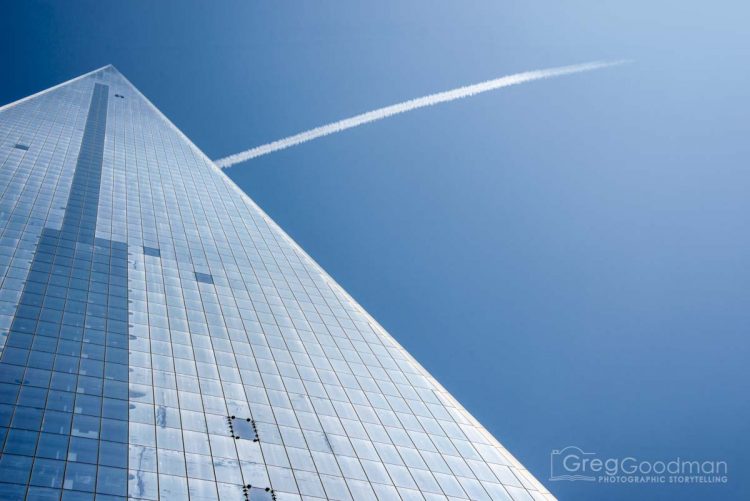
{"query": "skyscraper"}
(163, 338)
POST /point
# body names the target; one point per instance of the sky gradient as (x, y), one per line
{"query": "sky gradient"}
(569, 257)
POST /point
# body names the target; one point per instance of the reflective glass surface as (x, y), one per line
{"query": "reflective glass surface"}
(162, 338)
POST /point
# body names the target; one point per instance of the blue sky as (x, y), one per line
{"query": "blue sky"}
(568, 257)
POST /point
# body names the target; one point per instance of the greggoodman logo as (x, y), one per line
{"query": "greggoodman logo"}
(573, 464)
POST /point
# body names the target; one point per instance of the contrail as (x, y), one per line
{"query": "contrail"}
(412, 104)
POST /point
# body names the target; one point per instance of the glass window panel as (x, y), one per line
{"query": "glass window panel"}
(111, 481)
(80, 477)
(15, 469)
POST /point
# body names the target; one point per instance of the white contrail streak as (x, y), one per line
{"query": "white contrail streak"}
(412, 104)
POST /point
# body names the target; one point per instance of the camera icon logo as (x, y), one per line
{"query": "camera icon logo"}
(570, 464)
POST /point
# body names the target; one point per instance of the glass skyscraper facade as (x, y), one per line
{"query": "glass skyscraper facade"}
(163, 338)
